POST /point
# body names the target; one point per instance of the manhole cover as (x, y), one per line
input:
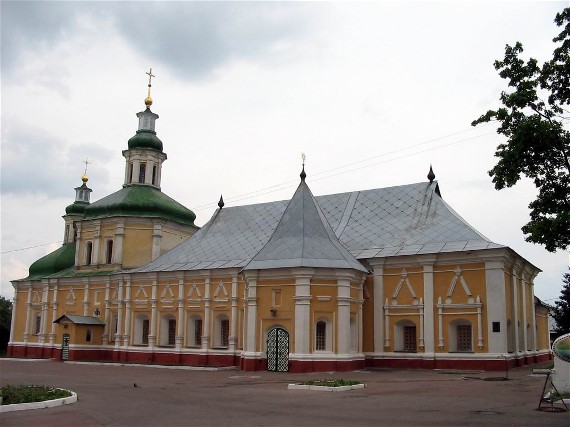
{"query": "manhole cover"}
(487, 412)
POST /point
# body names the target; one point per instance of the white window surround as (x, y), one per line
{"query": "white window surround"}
(192, 339)
(163, 334)
(138, 329)
(218, 330)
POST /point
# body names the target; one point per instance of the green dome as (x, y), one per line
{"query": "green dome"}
(145, 139)
(58, 260)
(140, 201)
(76, 208)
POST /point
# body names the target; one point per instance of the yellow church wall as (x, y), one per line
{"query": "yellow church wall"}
(475, 278)
(543, 333)
(172, 236)
(276, 295)
(392, 279)
(136, 244)
(20, 313)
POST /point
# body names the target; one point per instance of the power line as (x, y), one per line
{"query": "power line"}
(31, 247)
(279, 187)
(282, 186)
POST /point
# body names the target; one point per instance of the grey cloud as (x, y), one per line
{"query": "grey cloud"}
(193, 39)
(34, 162)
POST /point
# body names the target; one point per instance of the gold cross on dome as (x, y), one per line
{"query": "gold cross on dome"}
(87, 162)
(150, 76)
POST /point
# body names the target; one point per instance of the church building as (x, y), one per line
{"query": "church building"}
(388, 277)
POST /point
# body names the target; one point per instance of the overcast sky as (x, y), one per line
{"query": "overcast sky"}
(373, 93)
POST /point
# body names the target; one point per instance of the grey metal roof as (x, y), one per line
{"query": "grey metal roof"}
(403, 220)
(303, 238)
(81, 320)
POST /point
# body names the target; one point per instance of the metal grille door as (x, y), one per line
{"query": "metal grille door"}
(278, 350)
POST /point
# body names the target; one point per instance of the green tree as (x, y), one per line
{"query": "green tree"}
(5, 313)
(561, 312)
(534, 118)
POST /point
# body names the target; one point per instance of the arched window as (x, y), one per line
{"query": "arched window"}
(130, 173)
(109, 252)
(142, 327)
(168, 330)
(38, 325)
(142, 172)
(154, 169)
(222, 331)
(88, 253)
(194, 331)
(321, 336)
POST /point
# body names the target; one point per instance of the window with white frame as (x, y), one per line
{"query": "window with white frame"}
(167, 330)
(109, 252)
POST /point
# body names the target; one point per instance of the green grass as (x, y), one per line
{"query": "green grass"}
(331, 383)
(30, 393)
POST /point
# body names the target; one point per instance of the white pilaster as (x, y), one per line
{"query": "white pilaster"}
(207, 314)
(53, 314)
(233, 320)
(378, 304)
(86, 297)
(128, 313)
(303, 311)
(251, 301)
(118, 244)
(45, 302)
(118, 335)
(153, 315)
(180, 320)
(343, 308)
(14, 311)
(27, 331)
(516, 311)
(496, 304)
(429, 306)
(524, 311)
(156, 240)
(107, 331)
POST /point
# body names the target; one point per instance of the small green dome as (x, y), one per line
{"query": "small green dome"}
(76, 208)
(145, 139)
(58, 260)
(140, 201)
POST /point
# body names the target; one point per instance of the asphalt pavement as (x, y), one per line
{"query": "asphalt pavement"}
(116, 395)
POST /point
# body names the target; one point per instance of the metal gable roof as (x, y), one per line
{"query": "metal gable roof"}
(303, 238)
(402, 220)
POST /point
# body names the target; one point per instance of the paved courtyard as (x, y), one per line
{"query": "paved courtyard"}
(182, 397)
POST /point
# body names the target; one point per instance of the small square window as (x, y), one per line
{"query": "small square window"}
(496, 326)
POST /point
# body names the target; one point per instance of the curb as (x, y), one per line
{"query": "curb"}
(40, 405)
(324, 388)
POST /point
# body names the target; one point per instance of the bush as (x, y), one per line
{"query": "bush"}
(30, 393)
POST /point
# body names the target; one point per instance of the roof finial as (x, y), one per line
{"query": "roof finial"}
(303, 174)
(148, 100)
(221, 202)
(85, 178)
(431, 175)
